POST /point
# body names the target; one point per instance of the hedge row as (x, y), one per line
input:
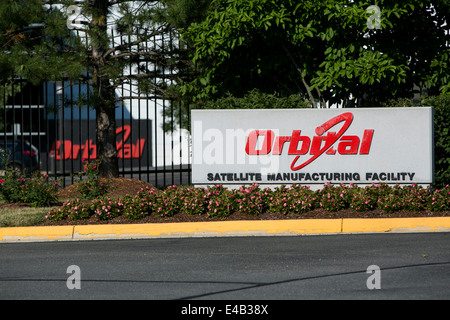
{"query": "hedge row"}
(218, 201)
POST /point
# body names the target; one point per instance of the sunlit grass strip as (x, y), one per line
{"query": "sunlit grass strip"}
(23, 216)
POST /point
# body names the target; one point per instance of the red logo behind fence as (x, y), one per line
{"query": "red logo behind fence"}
(88, 150)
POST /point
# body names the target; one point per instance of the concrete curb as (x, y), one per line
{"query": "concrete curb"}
(225, 228)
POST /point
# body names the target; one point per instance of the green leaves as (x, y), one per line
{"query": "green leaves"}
(327, 44)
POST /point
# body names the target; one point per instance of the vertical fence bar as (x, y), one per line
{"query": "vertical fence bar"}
(149, 142)
(71, 131)
(189, 143)
(39, 130)
(21, 124)
(138, 69)
(55, 131)
(63, 139)
(80, 158)
(31, 129)
(171, 115)
(5, 123)
(123, 111)
(88, 129)
(47, 126)
(131, 104)
(13, 125)
(164, 117)
(156, 120)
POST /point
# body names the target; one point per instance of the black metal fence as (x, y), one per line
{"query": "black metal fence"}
(62, 135)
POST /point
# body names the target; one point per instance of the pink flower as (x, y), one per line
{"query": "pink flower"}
(2, 181)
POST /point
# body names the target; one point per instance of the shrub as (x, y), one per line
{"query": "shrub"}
(220, 201)
(167, 202)
(251, 200)
(11, 186)
(296, 199)
(77, 210)
(107, 208)
(37, 191)
(141, 205)
(415, 198)
(390, 203)
(91, 188)
(255, 99)
(364, 199)
(439, 200)
(279, 200)
(302, 199)
(57, 214)
(217, 201)
(334, 198)
(193, 201)
(71, 209)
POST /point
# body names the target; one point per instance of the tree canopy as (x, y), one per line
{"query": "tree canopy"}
(327, 51)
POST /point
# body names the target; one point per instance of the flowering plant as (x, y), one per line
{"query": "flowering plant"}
(91, 188)
(296, 199)
(439, 200)
(364, 199)
(334, 198)
(302, 199)
(71, 209)
(37, 190)
(390, 203)
(279, 200)
(11, 186)
(141, 205)
(193, 201)
(167, 203)
(107, 208)
(414, 198)
(220, 202)
(251, 200)
(221, 205)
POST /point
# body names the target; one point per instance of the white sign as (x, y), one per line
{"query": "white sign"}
(313, 146)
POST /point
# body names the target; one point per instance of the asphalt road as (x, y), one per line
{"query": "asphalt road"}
(411, 266)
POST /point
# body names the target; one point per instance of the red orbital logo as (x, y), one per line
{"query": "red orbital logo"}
(321, 143)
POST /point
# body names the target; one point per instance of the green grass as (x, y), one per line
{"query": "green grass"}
(22, 217)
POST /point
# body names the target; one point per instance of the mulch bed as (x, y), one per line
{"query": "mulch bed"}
(122, 186)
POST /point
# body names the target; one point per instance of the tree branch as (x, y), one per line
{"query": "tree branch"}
(141, 39)
(138, 98)
(131, 54)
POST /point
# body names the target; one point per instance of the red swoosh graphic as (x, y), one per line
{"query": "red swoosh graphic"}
(320, 130)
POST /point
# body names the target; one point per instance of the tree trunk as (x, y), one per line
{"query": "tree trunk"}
(104, 97)
(106, 141)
